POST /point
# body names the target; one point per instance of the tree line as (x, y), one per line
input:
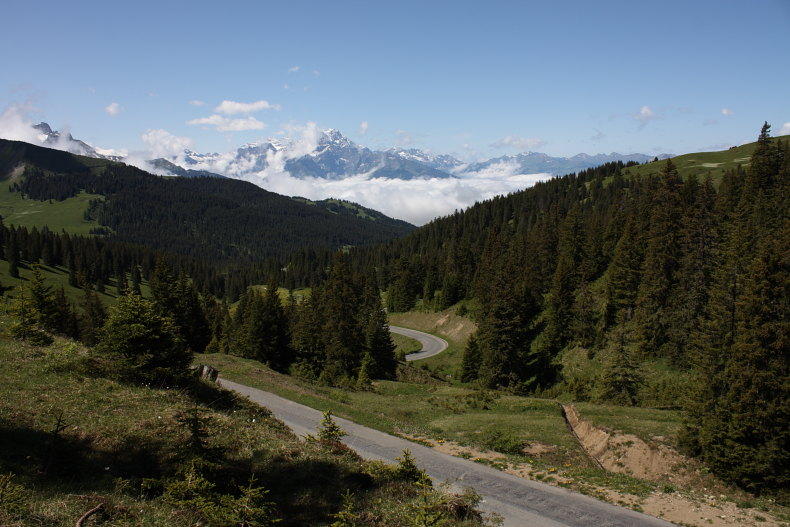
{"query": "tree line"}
(338, 335)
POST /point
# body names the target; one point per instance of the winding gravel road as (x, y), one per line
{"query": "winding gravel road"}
(521, 502)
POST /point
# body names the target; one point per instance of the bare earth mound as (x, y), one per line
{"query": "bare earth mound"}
(628, 454)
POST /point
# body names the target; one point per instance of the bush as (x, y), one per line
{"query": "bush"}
(195, 494)
(330, 431)
(502, 441)
(407, 470)
(145, 344)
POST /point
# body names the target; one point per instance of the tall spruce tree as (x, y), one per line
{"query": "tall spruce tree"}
(662, 256)
(92, 318)
(470, 363)
(378, 341)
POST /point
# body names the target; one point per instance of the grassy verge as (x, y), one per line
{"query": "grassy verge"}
(405, 345)
(507, 424)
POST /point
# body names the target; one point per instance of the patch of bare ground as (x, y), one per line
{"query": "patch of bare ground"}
(629, 454)
(708, 511)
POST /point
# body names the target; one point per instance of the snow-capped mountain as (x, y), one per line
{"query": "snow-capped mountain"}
(330, 155)
(55, 139)
(536, 162)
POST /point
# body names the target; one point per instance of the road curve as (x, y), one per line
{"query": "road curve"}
(521, 502)
(431, 345)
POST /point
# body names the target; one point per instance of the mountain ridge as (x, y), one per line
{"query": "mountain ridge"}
(330, 155)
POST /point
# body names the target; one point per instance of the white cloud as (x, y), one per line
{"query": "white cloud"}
(293, 69)
(645, 115)
(316, 73)
(416, 201)
(113, 109)
(785, 130)
(225, 124)
(197, 102)
(16, 125)
(726, 112)
(233, 107)
(363, 127)
(597, 136)
(162, 143)
(519, 143)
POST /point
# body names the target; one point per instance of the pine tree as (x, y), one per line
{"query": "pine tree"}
(662, 256)
(145, 343)
(561, 298)
(136, 279)
(189, 317)
(121, 283)
(93, 317)
(308, 336)
(505, 334)
(620, 379)
(27, 320)
(66, 321)
(12, 255)
(43, 300)
(340, 298)
(365, 375)
(470, 364)
(622, 277)
(689, 297)
(378, 340)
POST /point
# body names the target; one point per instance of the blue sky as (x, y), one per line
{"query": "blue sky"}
(474, 78)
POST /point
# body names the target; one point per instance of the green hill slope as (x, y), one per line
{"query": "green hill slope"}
(216, 218)
(703, 164)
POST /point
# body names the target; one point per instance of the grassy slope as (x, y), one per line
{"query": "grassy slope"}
(57, 215)
(58, 277)
(703, 163)
(116, 434)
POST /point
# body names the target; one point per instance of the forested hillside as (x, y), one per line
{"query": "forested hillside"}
(205, 217)
(592, 282)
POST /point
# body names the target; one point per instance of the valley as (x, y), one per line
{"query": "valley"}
(413, 264)
(452, 341)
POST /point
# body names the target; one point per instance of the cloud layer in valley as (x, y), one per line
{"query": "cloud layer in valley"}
(416, 200)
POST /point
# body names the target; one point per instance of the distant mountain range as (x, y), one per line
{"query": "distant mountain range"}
(536, 162)
(333, 156)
